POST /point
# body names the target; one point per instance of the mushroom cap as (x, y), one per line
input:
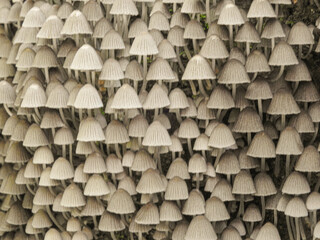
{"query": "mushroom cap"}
(121, 203)
(143, 45)
(257, 62)
(216, 210)
(178, 168)
(90, 130)
(111, 70)
(214, 48)
(264, 185)
(221, 137)
(88, 98)
(34, 18)
(177, 189)
(309, 160)
(258, 89)
(124, 7)
(148, 214)
(7, 93)
(159, 21)
(51, 28)
(169, 211)
(200, 228)
(86, 59)
(191, 6)
(160, 70)
(110, 222)
(156, 98)
(296, 184)
(228, 164)
(101, 28)
(195, 204)
(273, 29)
(262, 146)
(307, 92)
(61, 169)
(188, 129)
(198, 68)
(268, 231)
(247, 33)
(73, 197)
(248, 121)
(150, 182)
(76, 23)
(300, 35)
(221, 98)
(194, 30)
(230, 232)
(283, 103)
(92, 11)
(233, 72)
(156, 135)
(260, 9)
(296, 208)
(223, 190)
(112, 40)
(252, 214)
(243, 183)
(298, 72)
(289, 142)
(283, 55)
(312, 202)
(230, 15)
(126, 98)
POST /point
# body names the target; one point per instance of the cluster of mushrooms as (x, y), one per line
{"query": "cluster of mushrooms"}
(157, 119)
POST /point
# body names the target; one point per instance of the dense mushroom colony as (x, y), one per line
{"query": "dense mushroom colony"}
(157, 119)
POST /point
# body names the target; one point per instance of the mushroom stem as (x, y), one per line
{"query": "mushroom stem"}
(63, 117)
(313, 220)
(189, 146)
(195, 46)
(116, 146)
(186, 50)
(283, 121)
(287, 165)
(296, 220)
(302, 232)
(7, 109)
(260, 109)
(279, 74)
(260, 22)
(300, 51)
(275, 217)
(249, 137)
(234, 91)
(254, 76)
(64, 151)
(113, 236)
(263, 208)
(208, 18)
(308, 53)
(144, 12)
(289, 228)
(202, 90)
(70, 155)
(218, 157)
(247, 48)
(230, 28)
(145, 69)
(197, 181)
(46, 73)
(273, 43)
(54, 220)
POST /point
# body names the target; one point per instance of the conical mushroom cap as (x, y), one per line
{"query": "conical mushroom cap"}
(233, 72)
(34, 18)
(148, 215)
(221, 137)
(192, 6)
(90, 130)
(88, 98)
(150, 182)
(260, 9)
(289, 142)
(124, 7)
(111, 70)
(216, 210)
(160, 70)
(73, 197)
(157, 98)
(309, 160)
(51, 28)
(96, 186)
(312, 201)
(76, 23)
(248, 121)
(230, 15)
(200, 229)
(264, 185)
(116, 132)
(300, 35)
(297, 73)
(214, 48)
(283, 103)
(262, 146)
(110, 222)
(258, 89)
(143, 45)
(45, 58)
(7, 93)
(195, 204)
(243, 183)
(156, 135)
(296, 184)
(221, 98)
(257, 62)
(247, 33)
(296, 208)
(268, 231)
(86, 58)
(198, 68)
(35, 96)
(283, 55)
(121, 203)
(228, 164)
(112, 40)
(273, 29)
